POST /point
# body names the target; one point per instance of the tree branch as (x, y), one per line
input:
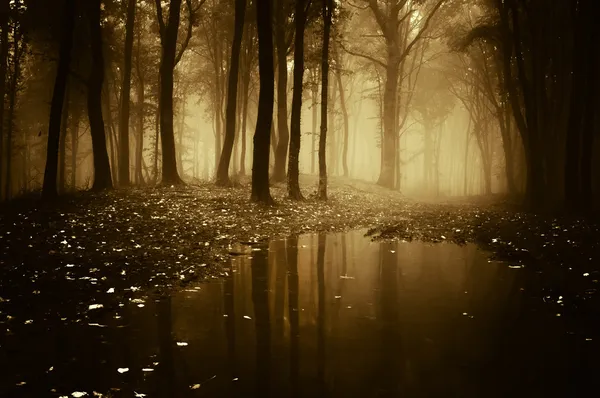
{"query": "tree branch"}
(161, 21)
(365, 56)
(189, 30)
(422, 31)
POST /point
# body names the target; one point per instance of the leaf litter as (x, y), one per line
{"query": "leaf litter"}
(72, 261)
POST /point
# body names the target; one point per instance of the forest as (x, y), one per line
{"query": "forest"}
(313, 198)
(431, 98)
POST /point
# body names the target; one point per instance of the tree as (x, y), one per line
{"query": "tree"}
(169, 59)
(102, 176)
(400, 34)
(262, 134)
(223, 170)
(125, 95)
(4, 8)
(293, 164)
(282, 45)
(327, 14)
(49, 189)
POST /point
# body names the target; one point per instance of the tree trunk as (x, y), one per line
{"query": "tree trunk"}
(346, 123)
(62, 158)
(75, 119)
(156, 143)
(313, 147)
(294, 161)
(125, 95)
(331, 129)
(246, 88)
(230, 118)
(170, 176)
(467, 139)
(141, 98)
(113, 141)
(327, 13)
(4, 7)
(49, 189)
(282, 112)
(102, 176)
(264, 119)
(12, 100)
(388, 152)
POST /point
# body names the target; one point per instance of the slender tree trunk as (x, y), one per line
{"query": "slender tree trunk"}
(332, 131)
(327, 14)
(170, 176)
(62, 158)
(125, 95)
(102, 176)
(49, 189)
(467, 139)
(313, 148)
(282, 109)
(113, 141)
(230, 118)
(139, 153)
(180, 131)
(264, 119)
(244, 122)
(156, 143)
(75, 119)
(294, 161)
(346, 123)
(4, 7)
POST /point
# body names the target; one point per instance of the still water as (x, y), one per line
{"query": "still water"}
(331, 315)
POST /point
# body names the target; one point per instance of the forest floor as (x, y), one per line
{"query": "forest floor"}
(98, 248)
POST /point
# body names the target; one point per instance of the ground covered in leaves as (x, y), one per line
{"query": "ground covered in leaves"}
(90, 251)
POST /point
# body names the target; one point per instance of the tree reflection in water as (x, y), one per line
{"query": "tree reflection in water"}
(260, 300)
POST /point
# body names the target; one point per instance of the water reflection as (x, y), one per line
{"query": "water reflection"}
(333, 316)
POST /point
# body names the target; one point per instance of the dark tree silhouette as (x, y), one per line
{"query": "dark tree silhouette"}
(283, 135)
(264, 119)
(230, 115)
(125, 95)
(49, 189)
(327, 20)
(102, 177)
(293, 164)
(168, 38)
(3, 68)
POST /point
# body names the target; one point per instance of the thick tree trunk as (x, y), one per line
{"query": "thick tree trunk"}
(294, 161)
(102, 176)
(125, 95)
(264, 119)
(282, 109)
(49, 189)
(170, 176)
(327, 12)
(230, 118)
(388, 161)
